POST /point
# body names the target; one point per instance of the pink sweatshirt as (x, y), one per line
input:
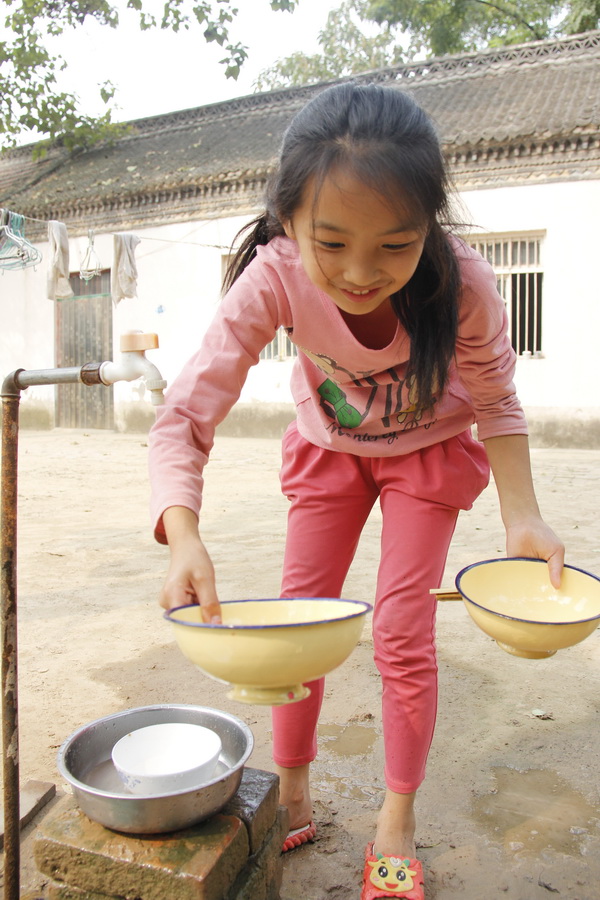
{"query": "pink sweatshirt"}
(348, 398)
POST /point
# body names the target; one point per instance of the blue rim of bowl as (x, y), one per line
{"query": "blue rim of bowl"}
(485, 562)
(364, 608)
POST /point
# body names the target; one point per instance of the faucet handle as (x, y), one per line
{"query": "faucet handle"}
(138, 340)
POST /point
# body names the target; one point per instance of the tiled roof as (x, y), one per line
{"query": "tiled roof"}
(503, 115)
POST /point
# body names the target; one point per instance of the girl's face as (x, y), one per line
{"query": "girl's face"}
(354, 245)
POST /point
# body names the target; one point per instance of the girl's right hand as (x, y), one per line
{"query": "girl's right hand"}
(191, 575)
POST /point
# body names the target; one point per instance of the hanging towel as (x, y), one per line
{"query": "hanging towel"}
(124, 270)
(59, 287)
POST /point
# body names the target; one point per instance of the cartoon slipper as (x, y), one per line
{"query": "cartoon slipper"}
(299, 836)
(391, 876)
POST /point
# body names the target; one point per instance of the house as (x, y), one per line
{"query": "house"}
(521, 129)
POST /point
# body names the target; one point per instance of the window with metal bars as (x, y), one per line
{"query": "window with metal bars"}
(280, 347)
(516, 260)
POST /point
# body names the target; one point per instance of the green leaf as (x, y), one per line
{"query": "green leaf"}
(107, 91)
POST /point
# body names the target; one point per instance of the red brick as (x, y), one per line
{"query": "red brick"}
(56, 891)
(255, 803)
(261, 878)
(200, 863)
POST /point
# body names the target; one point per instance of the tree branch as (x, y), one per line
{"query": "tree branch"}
(515, 15)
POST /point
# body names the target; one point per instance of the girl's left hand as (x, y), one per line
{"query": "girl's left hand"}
(534, 539)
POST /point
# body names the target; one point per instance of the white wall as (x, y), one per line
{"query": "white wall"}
(178, 291)
(568, 375)
(184, 280)
(26, 324)
(179, 277)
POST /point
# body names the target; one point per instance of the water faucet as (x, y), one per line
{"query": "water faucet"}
(133, 364)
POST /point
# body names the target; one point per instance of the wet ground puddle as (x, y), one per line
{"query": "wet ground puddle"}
(349, 742)
(535, 810)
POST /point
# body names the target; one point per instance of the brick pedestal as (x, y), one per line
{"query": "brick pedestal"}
(234, 855)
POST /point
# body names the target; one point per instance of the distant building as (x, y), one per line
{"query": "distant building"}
(521, 129)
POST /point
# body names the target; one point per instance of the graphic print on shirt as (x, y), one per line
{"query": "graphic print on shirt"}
(334, 402)
(399, 400)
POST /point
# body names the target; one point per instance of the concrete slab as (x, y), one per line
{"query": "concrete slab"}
(33, 797)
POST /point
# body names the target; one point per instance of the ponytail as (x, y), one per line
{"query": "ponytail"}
(256, 233)
(427, 308)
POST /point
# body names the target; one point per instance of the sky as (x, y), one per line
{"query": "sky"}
(159, 71)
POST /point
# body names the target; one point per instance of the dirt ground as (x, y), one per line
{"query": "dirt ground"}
(511, 804)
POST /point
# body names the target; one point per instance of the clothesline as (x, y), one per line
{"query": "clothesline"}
(31, 219)
(189, 243)
(148, 237)
(16, 251)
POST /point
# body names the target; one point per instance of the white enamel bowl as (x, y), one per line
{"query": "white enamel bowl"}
(166, 758)
(268, 649)
(513, 601)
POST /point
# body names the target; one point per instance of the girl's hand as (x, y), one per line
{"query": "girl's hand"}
(526, 532)
(191, 575)
(533, 538)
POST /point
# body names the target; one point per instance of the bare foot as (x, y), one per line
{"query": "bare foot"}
(395, 834)
(398, 845)
(294, 793)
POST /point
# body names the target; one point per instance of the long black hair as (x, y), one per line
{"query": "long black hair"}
(381, 136)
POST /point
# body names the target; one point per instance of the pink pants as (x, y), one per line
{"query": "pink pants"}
(331, 496)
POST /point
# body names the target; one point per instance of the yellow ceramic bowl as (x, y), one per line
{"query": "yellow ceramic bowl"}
(513, 601)
(267, 649)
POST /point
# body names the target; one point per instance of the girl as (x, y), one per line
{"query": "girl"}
(402, 341)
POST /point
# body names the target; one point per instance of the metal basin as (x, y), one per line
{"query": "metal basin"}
(84, 760)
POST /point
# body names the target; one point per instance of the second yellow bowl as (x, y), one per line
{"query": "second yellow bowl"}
(513, 601)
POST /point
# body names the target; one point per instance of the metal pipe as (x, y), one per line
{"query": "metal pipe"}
(133, 365)
(10, 725)
(12, 386)
(24, 378)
